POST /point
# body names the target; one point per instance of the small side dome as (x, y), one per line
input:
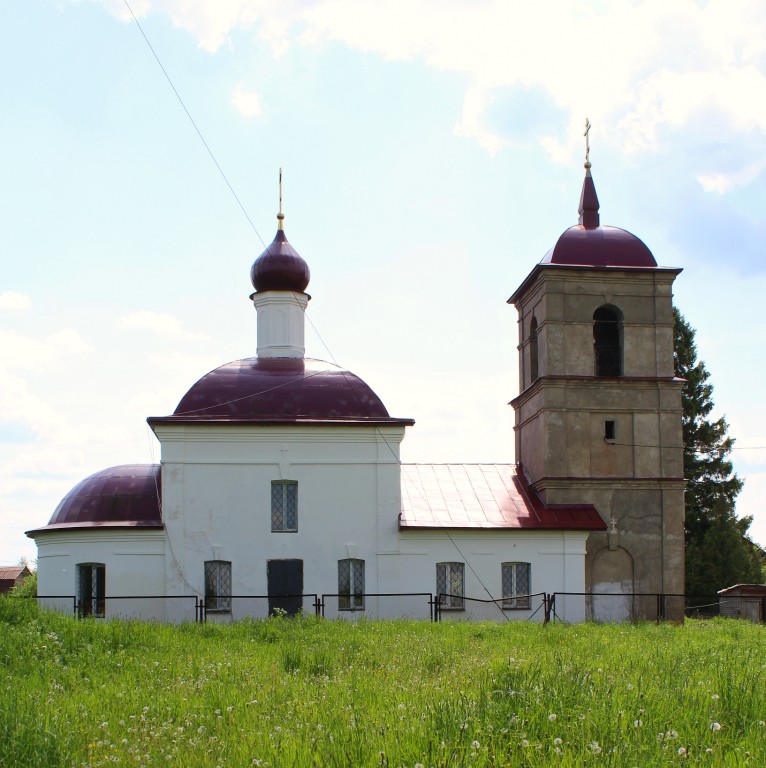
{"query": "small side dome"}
(280, 268)
(127, 495)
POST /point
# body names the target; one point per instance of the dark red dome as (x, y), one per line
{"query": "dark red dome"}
(278, 390)
(599, 247)
(280, 268)
(128, 495)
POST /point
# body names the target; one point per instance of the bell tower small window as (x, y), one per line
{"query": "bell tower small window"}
(607, 342)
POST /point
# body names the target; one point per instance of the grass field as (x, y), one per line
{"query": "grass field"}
(309, 692)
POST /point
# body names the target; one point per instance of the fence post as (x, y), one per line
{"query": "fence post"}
(317, 606)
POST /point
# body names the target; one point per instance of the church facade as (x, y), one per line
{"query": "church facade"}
(280, 484)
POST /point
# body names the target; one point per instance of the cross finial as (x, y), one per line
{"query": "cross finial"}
(280, 215)
(587, 143)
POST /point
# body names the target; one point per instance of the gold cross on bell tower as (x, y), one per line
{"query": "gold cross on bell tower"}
(587, 143)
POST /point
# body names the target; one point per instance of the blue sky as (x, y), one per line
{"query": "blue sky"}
(432, 154)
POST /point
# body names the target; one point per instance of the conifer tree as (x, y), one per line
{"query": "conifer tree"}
(719, 553)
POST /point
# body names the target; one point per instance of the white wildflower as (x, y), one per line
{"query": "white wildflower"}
(552, 717)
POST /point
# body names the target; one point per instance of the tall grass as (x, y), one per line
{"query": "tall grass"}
(309, 692)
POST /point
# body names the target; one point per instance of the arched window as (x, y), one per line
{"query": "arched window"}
(533, 367)
(607, 342)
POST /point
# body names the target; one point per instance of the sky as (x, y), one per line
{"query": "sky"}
(432, 153)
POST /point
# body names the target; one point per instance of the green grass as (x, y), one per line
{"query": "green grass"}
(309, 692)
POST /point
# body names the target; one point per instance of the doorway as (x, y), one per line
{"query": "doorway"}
(285, 586)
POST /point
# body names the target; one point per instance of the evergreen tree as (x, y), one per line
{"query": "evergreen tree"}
(719, 553)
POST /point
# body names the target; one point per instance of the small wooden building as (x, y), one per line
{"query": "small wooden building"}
(743, 601)
(11, 575)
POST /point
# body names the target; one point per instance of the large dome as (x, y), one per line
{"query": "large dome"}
(280, 390)
(123, 496)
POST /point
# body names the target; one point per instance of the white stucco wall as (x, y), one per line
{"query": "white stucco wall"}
(135, 566)
(216, 487)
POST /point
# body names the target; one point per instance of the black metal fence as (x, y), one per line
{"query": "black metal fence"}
(539, 606)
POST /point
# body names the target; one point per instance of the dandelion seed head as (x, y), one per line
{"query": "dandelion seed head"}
(475, 744)
(557, 740)
(638, 723)
(552, 716)
(682, 751)
(715, 697)
(715, 726)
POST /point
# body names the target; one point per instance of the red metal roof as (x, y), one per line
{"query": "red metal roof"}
(483, 496)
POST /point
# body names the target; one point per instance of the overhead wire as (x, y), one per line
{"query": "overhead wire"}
(193, 122)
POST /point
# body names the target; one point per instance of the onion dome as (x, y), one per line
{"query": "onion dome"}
(280, 267)
(590, 244)
(280, 390)
(126, 496)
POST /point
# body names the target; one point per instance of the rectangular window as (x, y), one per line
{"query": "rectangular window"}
(284, 505)
(515, 585)
(450, 581)
(610, 431)
(350, 585)
(218, 586)
(91, 589)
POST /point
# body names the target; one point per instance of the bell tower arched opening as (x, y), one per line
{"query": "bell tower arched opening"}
(607, 341)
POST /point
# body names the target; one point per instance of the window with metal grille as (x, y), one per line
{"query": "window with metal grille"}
(351, 585)
(450, 581)
(218, 586)
(284, 505)
(91, 589)
(607, 342)
(515, 585)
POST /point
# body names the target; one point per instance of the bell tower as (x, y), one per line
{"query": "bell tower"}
(598, 417)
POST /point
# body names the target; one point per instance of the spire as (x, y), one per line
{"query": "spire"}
(280, 215)
(589, 206)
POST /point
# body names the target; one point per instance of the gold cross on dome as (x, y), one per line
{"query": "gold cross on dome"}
(587, 142)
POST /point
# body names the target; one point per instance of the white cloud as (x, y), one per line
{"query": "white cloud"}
(159, 323)
(14, 301)
(247, 103)
(636, 69)
(29, 353)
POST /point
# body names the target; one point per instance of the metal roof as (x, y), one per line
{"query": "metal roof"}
(483, 496)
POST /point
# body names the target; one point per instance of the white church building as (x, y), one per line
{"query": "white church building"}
(280, 485)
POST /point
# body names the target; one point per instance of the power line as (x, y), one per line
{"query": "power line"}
(191, 120)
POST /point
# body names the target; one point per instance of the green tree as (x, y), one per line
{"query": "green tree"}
(719, 552)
